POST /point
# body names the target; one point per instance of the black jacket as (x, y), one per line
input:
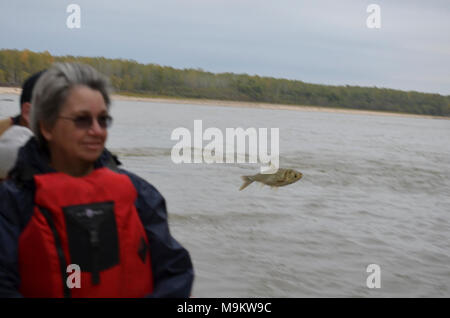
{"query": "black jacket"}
(171, 264)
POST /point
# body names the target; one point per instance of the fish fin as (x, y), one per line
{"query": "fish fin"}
(247, 181)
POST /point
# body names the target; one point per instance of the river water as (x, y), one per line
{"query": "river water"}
(375, 190)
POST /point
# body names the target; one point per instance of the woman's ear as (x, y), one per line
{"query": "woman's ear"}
(45, 131)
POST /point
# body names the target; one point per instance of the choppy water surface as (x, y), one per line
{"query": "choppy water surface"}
(376, 190)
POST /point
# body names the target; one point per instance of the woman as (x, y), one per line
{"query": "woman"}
(67, 206)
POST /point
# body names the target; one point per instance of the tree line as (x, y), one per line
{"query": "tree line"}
(131, 77)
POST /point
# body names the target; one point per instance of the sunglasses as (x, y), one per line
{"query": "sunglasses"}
(86, 121)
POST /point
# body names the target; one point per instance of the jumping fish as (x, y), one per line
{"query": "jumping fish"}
(281, 178)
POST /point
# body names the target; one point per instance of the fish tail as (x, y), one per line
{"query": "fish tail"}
(247, 181)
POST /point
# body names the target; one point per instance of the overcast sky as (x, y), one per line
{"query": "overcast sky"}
(316, 41)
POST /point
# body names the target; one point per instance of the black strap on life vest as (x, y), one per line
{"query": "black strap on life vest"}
(59, 250)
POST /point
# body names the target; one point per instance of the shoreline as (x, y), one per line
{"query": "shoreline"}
(212, 102)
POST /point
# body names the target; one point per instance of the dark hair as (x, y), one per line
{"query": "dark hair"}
(27, 88)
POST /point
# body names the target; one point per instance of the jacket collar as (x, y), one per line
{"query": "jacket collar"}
(34, 159)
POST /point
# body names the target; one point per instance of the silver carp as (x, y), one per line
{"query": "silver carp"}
(281, 178)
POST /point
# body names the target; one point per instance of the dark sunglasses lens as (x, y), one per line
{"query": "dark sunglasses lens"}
(83, 122)
(105, 121)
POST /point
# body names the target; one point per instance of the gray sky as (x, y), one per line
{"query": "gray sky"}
(316, 41)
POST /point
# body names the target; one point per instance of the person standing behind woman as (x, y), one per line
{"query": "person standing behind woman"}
(22, 119)
(14, 131)
(67, 205)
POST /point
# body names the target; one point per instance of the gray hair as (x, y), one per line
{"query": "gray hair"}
(53, 88)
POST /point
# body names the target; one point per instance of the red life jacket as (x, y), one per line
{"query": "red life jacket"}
(91, 222)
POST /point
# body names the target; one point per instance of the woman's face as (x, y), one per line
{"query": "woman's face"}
(74, 146)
